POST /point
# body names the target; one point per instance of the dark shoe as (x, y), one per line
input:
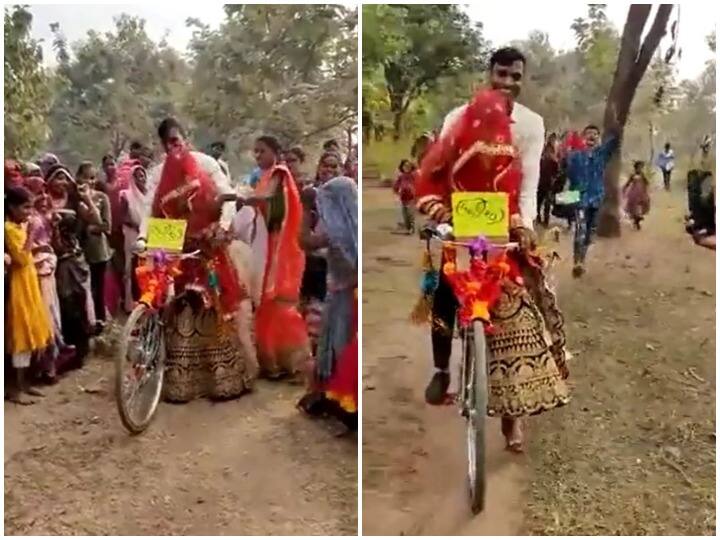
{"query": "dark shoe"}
(578, 270)
(436, 391)
(314, 404)
(68, 350)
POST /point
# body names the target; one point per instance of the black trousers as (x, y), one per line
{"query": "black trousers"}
(97, 285)
(444, 310)
(544, 204)
(666, 178)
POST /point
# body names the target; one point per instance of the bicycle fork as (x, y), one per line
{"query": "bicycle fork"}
(467, 372)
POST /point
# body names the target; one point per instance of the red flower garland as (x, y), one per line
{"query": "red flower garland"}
(478, 288)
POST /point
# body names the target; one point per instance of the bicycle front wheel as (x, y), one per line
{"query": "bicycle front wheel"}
(139, 369)
(476, 380)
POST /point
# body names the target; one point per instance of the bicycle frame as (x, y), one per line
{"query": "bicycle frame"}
(467, 372)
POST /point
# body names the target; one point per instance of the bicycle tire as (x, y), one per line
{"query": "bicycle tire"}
(477, 400)
(133, 425)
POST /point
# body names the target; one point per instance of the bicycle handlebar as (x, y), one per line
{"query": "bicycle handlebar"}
(177, 256)
(431, 233)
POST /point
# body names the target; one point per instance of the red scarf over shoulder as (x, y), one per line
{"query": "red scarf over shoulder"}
(476, 154)
(186, 191)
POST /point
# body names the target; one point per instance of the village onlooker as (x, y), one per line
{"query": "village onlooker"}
(27, 324)
(404, 188)
(95, 228)
(637, 195)
(666, 162)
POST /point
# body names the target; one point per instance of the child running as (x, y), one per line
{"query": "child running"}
(637, 195)
(27, 324)
(404, 188)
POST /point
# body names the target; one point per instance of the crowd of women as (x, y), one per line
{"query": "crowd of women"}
(273, 292)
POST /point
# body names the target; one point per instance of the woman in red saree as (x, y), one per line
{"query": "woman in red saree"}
(280, 331)
(209, 350)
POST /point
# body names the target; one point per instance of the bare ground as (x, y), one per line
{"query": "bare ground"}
(634, 452)
(253, 466)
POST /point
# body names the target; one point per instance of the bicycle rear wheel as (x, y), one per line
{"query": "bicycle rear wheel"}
(139, 369)
(476, 381)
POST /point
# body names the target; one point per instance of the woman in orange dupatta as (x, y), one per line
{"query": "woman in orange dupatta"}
(281, 334)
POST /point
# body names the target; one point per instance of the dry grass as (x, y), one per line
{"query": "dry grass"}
(634, 453)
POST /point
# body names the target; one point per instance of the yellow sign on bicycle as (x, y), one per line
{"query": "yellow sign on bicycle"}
(479, 213)
(166, 234)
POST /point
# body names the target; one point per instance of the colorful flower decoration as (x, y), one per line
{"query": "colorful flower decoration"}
(154, 278)
(479, 287)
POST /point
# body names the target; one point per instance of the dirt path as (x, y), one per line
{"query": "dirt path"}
(253, 466)
(414, 456)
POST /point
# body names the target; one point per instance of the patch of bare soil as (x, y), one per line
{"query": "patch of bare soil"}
(634, 452)
(253, 466)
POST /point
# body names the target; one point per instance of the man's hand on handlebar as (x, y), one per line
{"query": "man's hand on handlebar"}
(140, 246)
(525, 238)
(443, 231)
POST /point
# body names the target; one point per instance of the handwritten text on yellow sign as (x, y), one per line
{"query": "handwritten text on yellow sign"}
(168, 234)
(478, 213)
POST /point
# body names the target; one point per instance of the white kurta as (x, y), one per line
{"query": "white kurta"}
(249, 227)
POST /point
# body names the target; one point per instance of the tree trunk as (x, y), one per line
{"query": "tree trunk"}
(397, 124)
(651, 128)
(633, 61)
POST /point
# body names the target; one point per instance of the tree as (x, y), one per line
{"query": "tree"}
(633, 61)
(285, 70)
(417, 46)
(598, 44)
(112, 88)
(27, 89)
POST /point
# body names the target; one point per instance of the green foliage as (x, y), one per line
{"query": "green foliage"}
(567, 88)
(598, 43)
(284, 70)
(386, 156)
(27, 88)
(416, 47)
(287, 70)
(114, 87)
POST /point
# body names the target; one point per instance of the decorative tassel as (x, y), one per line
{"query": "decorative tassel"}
(422, 311)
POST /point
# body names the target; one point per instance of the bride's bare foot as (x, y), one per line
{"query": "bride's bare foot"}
(18, 399)
(515, 438)
(30, 391)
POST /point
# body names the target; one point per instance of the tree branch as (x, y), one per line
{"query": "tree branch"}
(632, 32)
(343, 118)
(656, 33)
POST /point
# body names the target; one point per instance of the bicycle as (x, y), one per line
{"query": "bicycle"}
(472, 397)
(142, 346)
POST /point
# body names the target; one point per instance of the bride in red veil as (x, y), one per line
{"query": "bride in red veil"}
(210, 351)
